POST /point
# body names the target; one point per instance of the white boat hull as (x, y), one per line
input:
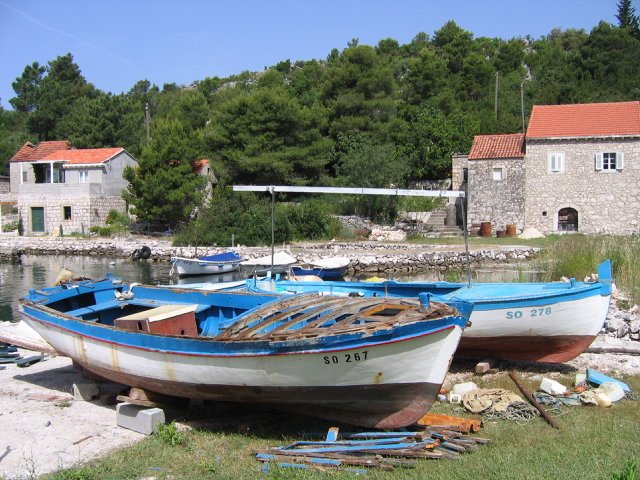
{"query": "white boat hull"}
(332, 381)
(553, 332)
(193, 266)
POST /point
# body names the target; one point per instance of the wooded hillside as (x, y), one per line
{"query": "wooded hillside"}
(364, 116)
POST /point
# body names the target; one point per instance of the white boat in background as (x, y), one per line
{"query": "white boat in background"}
(22, 335)
(327, 268)
(280, 263)
(208, 265)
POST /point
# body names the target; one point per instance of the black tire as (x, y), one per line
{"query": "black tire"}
(135, 254)
(145, 252)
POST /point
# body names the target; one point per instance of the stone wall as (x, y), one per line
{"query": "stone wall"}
(500, 202)
(607, 202)
(5, 186)
(85, 213)
(458, 164)
(365, 256)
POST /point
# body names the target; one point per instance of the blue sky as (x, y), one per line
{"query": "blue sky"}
(118, 42)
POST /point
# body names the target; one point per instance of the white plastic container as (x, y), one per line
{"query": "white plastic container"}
(580, 379)
(603, 400)
(462, 388)
(612, 390)
(552, 387)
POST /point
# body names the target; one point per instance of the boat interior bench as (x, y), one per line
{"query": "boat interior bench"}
(176, 319)
(110, 311)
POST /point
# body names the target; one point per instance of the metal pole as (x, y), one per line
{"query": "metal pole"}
(496, 101)
(273, 223)
(522, 103)
(147, 121)
(466, 240)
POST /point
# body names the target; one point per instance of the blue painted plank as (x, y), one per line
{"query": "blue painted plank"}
(354, 448)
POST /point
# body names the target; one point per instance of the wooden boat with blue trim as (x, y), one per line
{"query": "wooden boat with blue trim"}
(374, 362)
(541, 322)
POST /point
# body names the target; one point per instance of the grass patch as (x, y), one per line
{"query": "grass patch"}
(577, 256)
(592, 443)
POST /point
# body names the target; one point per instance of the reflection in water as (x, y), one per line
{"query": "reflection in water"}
(41, 271)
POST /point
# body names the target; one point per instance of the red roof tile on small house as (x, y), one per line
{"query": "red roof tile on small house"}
(198, 165)
(497, 146)
(84, 156)
(30, 152)
(584, 120)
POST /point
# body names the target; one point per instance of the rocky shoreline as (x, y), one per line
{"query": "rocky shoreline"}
(370, 257)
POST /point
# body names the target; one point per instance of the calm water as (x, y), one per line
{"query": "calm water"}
(42, 271)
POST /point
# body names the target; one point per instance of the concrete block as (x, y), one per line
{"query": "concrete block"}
(139, 419)
(85, 391)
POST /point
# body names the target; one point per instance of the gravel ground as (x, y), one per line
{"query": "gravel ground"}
(42, 427)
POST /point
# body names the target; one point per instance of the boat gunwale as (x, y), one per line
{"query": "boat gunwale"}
(348, 341)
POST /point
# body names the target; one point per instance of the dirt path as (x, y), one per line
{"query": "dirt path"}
(42, 429)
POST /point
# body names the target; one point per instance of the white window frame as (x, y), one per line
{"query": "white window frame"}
(603, 161)
(83, 176)
(496, 169)
(555, 162)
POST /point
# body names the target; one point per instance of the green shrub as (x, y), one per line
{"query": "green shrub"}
(169, 434)
(10, 226)
(101, 231)
(117, 221)
(311, 220)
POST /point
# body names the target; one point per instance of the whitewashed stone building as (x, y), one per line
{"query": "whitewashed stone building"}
(57, 187)
(576, 170)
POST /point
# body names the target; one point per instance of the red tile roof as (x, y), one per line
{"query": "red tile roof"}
(198, 165)
(497, 146)
(584, 120)
(84, 155)
(30, 152)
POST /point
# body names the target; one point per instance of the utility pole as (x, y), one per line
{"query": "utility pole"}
(496, 100)
(147, 120)
(522, 103)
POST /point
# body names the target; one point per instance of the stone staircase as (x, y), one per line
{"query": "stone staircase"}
(435, 226)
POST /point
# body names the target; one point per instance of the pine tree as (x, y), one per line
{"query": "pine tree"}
(627, 17)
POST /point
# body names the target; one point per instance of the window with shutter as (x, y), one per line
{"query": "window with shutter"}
(609, 161)
(598, 159)
(555, 162)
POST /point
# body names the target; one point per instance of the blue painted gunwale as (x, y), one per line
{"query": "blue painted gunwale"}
(484, 296)
(207, 347)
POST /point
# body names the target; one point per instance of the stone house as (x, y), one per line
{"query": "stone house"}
(57, 186)
(576, 170)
